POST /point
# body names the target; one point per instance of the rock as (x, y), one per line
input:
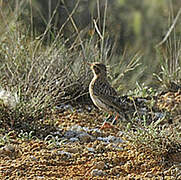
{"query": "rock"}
(149, 175)
(70, 134)
(85, 129)
(64, 155)
(115, 170)
(76, 128)
(85, 137)
(72, 150)
(33, 158)
(97, 172)
(8, 150)
(64, 107)
(96, 132)
(110, 139)
(100, 165)
(58, 132)
(91, 150)
(114, 139)
(74, 139)
(104, 139)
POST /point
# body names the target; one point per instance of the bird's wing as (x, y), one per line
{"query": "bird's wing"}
(103, 88)
(124, 104)
(107, 95)
(110, 102)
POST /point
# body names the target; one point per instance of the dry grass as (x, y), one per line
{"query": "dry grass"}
(35, 78)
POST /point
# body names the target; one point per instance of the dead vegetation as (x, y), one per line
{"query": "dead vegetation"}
(44, 93)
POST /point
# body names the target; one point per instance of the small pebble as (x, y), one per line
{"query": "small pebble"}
(104, 139)
(7, 150)
(100, 165)
(65, 155)
(96, 132)
(74, 139)
(149, 175)
(76, 128)
(97, 172)
(115, 170)
(91, 149)
(85, 137)
(40, 177)
(33, 158)
(70, 134)
(72, 150)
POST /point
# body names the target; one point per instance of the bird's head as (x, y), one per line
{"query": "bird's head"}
(98, 69)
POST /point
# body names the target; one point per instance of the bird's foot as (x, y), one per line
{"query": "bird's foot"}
(106, 125)
(115, 120)
(109, 118)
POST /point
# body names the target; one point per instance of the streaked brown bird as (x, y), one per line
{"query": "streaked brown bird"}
(105, 97)
(101, 92)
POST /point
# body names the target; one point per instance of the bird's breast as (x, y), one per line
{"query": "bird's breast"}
(98, 103)
(96, 100)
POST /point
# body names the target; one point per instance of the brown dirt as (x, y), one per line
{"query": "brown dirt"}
(39, 159)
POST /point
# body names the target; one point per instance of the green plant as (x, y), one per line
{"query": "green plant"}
(160, 139)
(26, 136)
(169, 53)
(6, 138)
(31, 74)
(53, 141)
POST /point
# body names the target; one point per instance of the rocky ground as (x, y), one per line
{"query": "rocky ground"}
(75, 148)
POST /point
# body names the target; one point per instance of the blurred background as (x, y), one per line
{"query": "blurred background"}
(44, 45)
(131, 26)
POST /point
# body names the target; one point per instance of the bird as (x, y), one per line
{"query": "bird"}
(106, 98)
(101, 92)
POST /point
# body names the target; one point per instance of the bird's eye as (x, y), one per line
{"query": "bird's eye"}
(96, 69)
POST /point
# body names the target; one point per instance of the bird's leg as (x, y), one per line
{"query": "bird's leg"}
(115, 119)
(109, 118)
(106, 124)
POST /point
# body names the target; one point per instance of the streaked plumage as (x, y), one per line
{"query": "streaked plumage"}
(100, 90)
(105, 97)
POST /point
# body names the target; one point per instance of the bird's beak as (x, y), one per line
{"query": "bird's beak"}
(87, 63)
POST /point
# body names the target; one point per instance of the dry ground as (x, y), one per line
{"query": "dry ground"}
(23, 158)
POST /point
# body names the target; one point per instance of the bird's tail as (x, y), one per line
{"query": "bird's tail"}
(139, 108)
